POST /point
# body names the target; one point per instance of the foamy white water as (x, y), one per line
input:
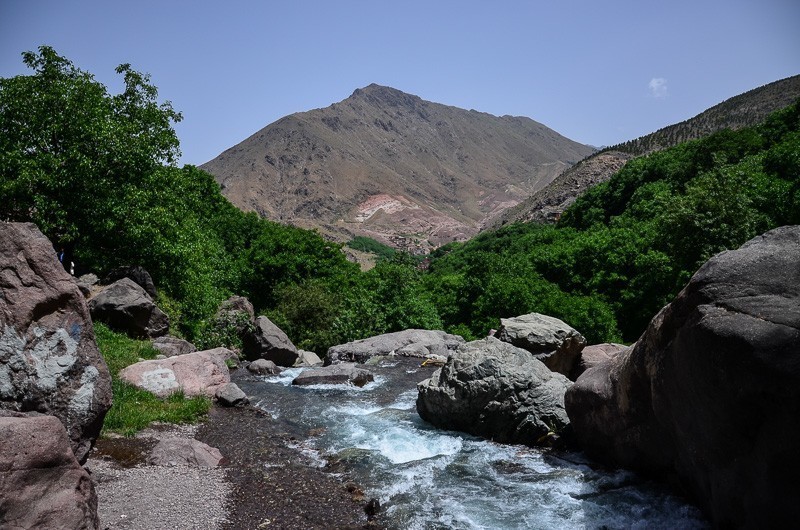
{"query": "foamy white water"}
(431, 479)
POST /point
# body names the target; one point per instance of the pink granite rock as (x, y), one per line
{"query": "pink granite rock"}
(42, 485)
(196, 374)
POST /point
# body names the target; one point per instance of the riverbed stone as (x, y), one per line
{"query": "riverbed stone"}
(126, 307)
(174, 451)
(549, 339)
(410, 342)
(49, 360)
(307, 358)
(268, 341)
(493, 389)
(337, 374)
(264, 367)
(42, 485)
(709, 397)
(195, 374)
(230, 395)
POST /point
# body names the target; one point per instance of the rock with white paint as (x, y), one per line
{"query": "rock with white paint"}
(49, 361)
(200, 373)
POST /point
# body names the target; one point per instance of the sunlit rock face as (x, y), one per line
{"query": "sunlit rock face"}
(710, 394)
(49, 361)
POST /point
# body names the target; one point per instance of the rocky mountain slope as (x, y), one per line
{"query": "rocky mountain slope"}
(392, 166)
(744, 110)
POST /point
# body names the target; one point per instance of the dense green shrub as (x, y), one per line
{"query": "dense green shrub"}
(626, 247)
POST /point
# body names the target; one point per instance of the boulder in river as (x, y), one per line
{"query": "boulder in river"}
(125, 306)
(409, 343)
(549, 339)
(49, 361)
(263, 367)
(307, 358)
(493, 389)
(337, 374)
(230, 395)
(195, 374)
(709, 396)
(268, 341)
(42, 485)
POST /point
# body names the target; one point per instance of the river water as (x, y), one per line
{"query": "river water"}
(426, 478)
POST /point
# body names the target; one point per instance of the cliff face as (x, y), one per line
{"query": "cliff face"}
(392, 166)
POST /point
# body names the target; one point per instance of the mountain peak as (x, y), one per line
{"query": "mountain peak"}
(388, 165)
(384, 95)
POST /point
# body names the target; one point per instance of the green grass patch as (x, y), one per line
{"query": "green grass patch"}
(135, 409)
(367, 244)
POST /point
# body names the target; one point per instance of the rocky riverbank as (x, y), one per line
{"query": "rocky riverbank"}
(263, 482)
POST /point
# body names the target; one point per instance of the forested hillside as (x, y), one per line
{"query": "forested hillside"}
(628, 245)
(96, 172)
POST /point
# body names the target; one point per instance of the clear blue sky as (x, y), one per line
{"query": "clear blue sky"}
(599, 72)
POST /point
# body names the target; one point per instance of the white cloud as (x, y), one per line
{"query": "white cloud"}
(658, 87)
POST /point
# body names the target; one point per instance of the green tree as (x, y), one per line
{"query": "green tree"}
(67, 146)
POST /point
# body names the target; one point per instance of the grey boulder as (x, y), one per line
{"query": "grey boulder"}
(230, 395)
(307, 358)
(126, 307)
(170, 346)
(410, 342)
(709, 396)
(495, 390)
(42, 485)
(269, 342)
(135, 273)
(264, 367)
(338, 374)
(49, 361)
(549, 339)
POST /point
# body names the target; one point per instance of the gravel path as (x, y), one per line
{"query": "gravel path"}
(136, 496)
(264, 482)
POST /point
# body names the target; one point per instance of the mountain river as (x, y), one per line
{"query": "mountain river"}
(427, 478)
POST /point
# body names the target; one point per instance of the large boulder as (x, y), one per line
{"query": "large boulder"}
(126, 307)
(337, 374)
(410, 342)
(135, 273)
(494, 389)
(170, 346)
(269, 342)
(549, 339)
(49, 361)
(42, 485)
(200, 373)
(710, 394)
